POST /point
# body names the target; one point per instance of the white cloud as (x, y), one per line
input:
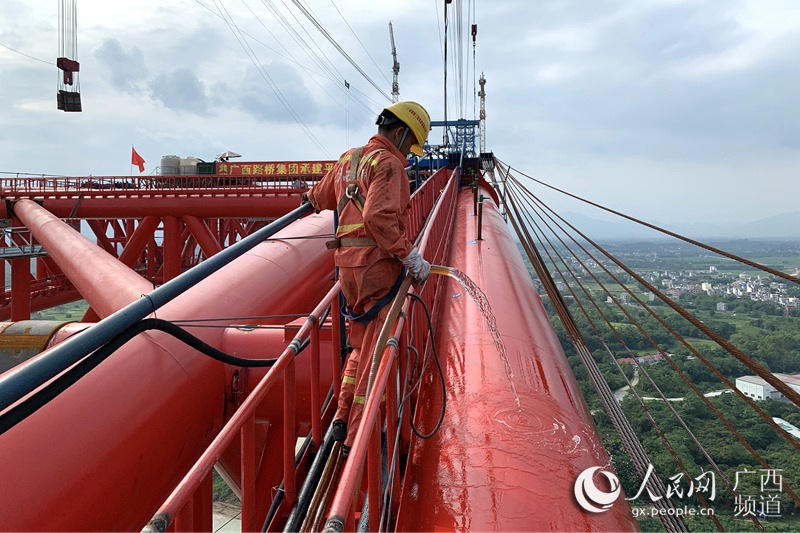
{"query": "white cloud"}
(600, 96)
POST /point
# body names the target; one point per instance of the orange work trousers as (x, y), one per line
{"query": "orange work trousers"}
(364, 286)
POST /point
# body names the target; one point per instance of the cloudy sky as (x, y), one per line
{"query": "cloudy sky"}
(669, 110)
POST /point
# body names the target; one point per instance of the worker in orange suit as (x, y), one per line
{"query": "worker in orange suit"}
(370, 191)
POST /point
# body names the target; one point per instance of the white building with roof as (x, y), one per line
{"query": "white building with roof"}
(786, 426)
(758, 389)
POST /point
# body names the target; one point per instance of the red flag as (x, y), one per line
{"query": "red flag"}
(136, 159)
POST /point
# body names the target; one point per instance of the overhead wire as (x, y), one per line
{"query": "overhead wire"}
(474, 63)
(289, 56)
(49, 63)
(727, 423)
(314, 73)
(765, 268)
(640, 368)
(265, 75)
(317, 56)
(359, 42)
(320, 59)
(338, 47)
(324, 60)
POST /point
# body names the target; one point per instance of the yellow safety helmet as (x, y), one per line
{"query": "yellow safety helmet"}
(416, 118)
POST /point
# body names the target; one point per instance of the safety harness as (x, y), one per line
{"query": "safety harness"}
(367, 316)
(353, 194)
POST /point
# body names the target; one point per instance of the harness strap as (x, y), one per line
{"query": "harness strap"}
(367, 317)
(353, 191)
(352, 183)
(349, 241)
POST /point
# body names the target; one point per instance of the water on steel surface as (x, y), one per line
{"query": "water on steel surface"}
(478, 296)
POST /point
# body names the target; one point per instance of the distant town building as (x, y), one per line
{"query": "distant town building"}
(712, 269)
(645, 359)
(791, 429)
(758, 389)
(722, 306)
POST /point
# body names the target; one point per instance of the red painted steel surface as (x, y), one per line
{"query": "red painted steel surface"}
(107, 452)
(101, 279)
(269, 343)
(204, 206)
(516, 432)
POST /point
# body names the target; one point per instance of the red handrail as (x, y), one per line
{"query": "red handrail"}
(243, 422)
(177, 509)
(366, 443)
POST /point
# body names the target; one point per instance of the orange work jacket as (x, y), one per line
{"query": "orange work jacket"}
(377, 215)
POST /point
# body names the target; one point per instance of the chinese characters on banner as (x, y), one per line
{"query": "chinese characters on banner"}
(282, 169)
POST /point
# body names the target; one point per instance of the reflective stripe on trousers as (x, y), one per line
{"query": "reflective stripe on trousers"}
(356, 373)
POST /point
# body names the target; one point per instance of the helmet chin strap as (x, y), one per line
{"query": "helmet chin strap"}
(399, 145)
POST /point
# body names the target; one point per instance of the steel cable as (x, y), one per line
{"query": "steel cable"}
(750, 363)
(719, 415)
(710, 248)
(627, 436)
(640, 368)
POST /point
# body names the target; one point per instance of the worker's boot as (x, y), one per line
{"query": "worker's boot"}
(339, 432)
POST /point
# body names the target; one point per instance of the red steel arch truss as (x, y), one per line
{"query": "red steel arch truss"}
(158, 225)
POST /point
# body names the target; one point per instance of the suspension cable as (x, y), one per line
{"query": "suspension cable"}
(640, 368)
(675, 334)
(710, 248)
(585, 313)
(727, 423)
(750, 363)
(630, 442)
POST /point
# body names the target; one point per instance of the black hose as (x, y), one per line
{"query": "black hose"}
(307, 491)
(31, 404)
(276, 501)
(441, 375)
(17, 383)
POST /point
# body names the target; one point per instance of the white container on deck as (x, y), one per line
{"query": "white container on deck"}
(170, 165)
(189, 165)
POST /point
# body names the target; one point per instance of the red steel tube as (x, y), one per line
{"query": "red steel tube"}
(248, 469)
(316, 403)
(348, 480)
(166, 203)
(203, 234)
(124, 435)
(138, 239)
(516, 432)
(102, 280)
(188, 485)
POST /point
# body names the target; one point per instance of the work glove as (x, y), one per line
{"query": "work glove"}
(304, 200)
(417, 267)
